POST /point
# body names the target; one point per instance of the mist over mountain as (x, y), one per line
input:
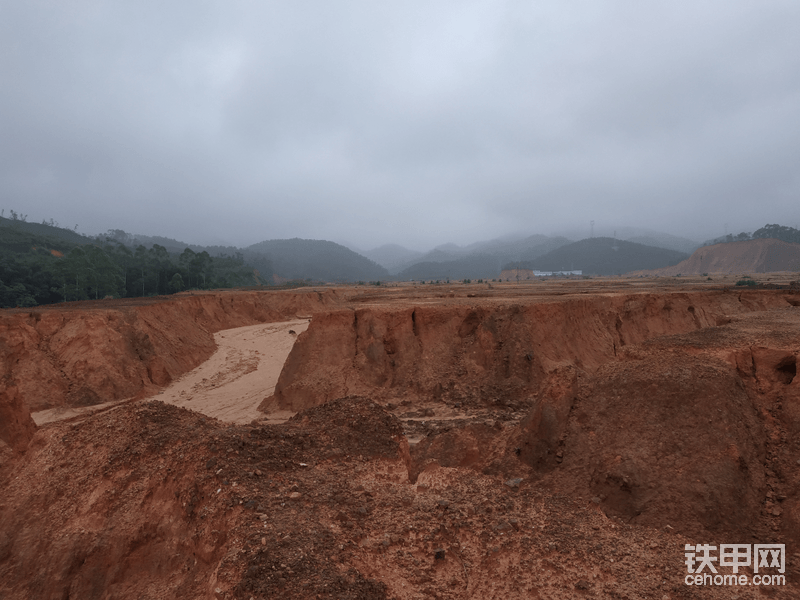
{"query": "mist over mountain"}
(478, 260)
(603, 256)
(318, 260)
(49, 229)
(392, 257)
(666, 241)
(326, 261)
(476, 266)
(132, 240)
(639, 235)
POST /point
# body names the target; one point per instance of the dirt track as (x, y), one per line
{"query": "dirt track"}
(568, 439)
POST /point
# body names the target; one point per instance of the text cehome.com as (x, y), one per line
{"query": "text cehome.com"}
(719, 579)
(768, 563)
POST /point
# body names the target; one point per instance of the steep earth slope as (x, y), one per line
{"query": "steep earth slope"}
(751, 256)
(81, 354)
(480, 354)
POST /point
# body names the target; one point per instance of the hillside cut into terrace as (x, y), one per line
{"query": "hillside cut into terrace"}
(484, 443)
(750, 256)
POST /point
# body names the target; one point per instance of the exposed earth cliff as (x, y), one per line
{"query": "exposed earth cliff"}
(750, 256)
(559, 442)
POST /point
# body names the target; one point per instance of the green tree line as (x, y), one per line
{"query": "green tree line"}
(774, 231)
(36, 269)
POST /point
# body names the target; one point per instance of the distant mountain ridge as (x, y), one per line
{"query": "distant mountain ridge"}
(668, 242)
(750, 256)
(602, 256)
(479, 260)
(288, 259)
(325, 261)
(318, 260)
(476, 266)
(640, 235)
(392, 257)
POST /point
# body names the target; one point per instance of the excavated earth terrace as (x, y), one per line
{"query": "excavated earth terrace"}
(551, 439)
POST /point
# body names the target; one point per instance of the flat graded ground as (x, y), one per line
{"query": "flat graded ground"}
(547, 439)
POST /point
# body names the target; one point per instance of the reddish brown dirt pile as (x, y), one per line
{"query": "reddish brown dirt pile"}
(109, 508)
(158, 501)
(638, 424)
(155, 501)
(336, 428)
(670, 439)
(475, 445)
(751, 256)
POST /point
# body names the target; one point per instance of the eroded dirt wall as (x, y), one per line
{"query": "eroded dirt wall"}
(481, 354)
(64, 356)
(16, 425)
(690, 432)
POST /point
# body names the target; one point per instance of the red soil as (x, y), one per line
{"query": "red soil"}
(519, 442)
(478, 354)
(81, 354)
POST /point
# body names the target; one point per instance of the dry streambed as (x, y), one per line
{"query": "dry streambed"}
(229, 385)
(245, 368)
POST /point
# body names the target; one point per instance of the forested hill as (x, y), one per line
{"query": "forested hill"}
(480, 260)
(603, 256)
(769, 231)
(317, 260)
(50, 230)
(44, 264)
(470, 267)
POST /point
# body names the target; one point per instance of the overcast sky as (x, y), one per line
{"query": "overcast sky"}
(415, 123)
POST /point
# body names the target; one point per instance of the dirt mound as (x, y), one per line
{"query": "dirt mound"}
(751, 256)
(479, 446)
(110, 507)
(672, 439)
(352, 425)
(129, 499)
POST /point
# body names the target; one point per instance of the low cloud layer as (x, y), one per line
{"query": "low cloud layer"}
(414, 123)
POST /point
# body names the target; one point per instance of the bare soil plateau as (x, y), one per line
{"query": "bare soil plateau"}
(547, 439)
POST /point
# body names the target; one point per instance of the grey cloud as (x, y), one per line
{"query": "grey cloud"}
(416, 123)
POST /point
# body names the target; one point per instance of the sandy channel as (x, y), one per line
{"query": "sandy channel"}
(228, 386)
(239, 375)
